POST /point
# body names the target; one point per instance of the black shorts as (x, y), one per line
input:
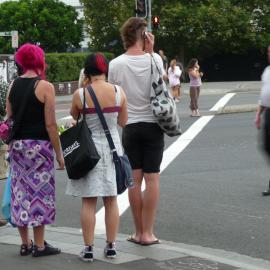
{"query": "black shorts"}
(144, 144)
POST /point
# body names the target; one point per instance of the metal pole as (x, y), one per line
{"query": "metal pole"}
(150, 15)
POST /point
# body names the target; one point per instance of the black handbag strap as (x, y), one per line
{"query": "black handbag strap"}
(153, 58)
(103, 123)
(19, 114)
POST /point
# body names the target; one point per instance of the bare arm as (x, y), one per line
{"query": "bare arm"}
(123, 115)
(194, 73)
(260, 110)
(50, 121)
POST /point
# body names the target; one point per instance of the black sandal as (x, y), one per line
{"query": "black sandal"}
(26, 249)
(48, 250)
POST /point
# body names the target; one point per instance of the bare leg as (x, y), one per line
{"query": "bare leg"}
(24, 234)
(150, 203)
(88, 219)
(135, 200)
(111, 218)
(175, 91)
(39, 236)
(192, 94)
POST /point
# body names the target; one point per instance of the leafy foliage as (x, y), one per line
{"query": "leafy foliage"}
(200, 27)
(64, 67)
(49, 22)
(104, 19)
(215, 26)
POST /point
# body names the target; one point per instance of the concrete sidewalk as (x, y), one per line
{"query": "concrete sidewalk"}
(208, 88)
(168, 255)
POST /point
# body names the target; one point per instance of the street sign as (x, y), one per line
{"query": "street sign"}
(15, 39)
(5, 34)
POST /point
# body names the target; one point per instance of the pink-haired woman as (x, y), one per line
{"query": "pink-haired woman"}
(31, 151)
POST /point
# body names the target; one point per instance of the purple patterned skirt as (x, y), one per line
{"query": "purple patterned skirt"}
(32, 183)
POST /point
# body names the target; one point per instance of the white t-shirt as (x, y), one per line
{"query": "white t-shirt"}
(265, 91)
(133, 74)
(174, 76)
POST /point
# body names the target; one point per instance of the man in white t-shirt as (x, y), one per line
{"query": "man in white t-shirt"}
(264, 107)
(143, 139)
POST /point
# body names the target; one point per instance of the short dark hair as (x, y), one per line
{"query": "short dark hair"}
(95, 64)
(192, 63)
(131, 31)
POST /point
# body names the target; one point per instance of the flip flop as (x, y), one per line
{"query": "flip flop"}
(155, 242)
(133, 240)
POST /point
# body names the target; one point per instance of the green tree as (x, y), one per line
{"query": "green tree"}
(188, 27)
(104, 19)
(209, 27)
(52, 24)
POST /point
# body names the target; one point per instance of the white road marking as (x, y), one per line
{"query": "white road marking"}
(174, 150)
(222, 102)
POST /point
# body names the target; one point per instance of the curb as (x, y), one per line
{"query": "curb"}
(130, 252)
(237, 109)
(241, 262)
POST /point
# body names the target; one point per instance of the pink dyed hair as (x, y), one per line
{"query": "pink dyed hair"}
(31, 57)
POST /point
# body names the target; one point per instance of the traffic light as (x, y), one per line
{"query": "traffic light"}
(155, 22)
(141, 8)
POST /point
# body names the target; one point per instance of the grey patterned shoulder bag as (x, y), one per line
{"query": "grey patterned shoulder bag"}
(162, 103)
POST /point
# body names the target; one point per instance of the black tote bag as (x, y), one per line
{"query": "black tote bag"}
(78, 147)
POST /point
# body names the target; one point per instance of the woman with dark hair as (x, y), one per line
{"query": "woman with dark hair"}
(195, 85)
(31, 151)
(101, 181)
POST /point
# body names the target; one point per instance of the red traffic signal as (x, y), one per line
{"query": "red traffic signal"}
(156, 22)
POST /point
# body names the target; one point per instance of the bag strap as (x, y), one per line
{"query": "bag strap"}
(152, 57)
(23, 104)
(103, 123)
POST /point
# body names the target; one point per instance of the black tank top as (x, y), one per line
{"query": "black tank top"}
(32, 126)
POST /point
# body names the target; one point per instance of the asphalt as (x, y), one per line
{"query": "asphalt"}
(168, 255)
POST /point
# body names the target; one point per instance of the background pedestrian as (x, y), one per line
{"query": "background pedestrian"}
(164, 60)
(174, 74)
(31, 151)
(264, 107)
(195, 85)
(101, 181)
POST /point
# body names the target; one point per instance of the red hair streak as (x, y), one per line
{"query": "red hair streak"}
(101, 63)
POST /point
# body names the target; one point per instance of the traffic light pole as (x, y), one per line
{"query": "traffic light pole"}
(149, 17)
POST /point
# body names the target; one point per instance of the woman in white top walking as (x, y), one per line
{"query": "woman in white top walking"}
(174, 74)
(195, 85)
